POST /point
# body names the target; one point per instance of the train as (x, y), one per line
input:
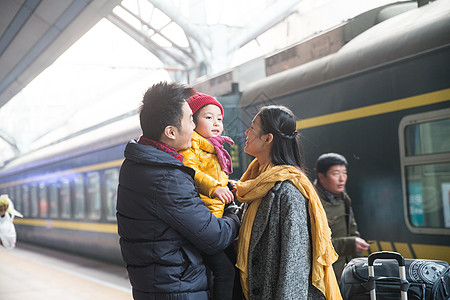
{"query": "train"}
(382, 99)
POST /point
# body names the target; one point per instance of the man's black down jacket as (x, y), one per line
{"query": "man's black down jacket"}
(163, 226)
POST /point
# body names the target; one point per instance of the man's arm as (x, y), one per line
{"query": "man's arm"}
(185, 212)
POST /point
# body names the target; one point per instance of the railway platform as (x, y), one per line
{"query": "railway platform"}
(31, 272)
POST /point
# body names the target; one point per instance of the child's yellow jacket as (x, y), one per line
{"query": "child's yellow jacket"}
(208, 173)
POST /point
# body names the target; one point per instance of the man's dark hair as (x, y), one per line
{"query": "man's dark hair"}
(162, 106)
(280, 122)
(327, 160)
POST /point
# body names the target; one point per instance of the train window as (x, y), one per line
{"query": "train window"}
(427, 138)
(25, 201)
(53, 199)
(93, 195)
(43, 204)
(425, 159)
(111, 182)
(78, 184)
(34, 201)
(428, 195)
(65, 199)
(17, 200)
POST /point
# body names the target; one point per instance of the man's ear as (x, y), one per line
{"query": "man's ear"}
(170, 132)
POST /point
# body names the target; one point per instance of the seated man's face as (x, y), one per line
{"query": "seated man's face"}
(335, 179)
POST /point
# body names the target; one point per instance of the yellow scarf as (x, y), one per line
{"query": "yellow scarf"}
(256, 182)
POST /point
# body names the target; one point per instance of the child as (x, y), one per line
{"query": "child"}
(212, 164)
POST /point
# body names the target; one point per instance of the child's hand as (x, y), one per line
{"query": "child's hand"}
(224, 195)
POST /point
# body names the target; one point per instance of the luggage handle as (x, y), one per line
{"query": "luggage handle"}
(401, 269)
(386, 255)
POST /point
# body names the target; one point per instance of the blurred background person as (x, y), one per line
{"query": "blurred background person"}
(7, 230)
(331, 177)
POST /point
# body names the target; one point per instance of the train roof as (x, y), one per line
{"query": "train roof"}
(415, 31)
(107, 136)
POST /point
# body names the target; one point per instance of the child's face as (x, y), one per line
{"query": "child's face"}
(209, 121)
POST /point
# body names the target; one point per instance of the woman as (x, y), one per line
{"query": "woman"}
(284, 248)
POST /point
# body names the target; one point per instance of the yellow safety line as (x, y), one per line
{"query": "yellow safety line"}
(422, 251)
(386, 246)
(403, 249)
(377, 109)
(82, 226)
(432, 252)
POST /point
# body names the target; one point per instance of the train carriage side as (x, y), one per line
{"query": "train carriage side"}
(354, 102)
(67, 192)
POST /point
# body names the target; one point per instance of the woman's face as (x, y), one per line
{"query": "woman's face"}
(255, 143)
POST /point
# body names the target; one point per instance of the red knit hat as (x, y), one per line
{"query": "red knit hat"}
(198, 100)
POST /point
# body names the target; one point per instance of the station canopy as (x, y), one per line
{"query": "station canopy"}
(103, 74)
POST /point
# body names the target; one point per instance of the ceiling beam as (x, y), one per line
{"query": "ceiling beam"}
(48, 32)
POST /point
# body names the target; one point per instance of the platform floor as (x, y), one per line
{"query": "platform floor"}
(30, 272)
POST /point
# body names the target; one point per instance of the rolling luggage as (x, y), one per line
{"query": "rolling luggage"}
(387, 275)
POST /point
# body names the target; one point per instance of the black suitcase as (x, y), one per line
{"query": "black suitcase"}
(392, 276)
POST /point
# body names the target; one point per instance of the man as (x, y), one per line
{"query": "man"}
(331, 177)
(162, 223)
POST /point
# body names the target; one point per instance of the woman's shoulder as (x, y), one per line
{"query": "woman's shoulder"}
(286, 187)
(288, 192)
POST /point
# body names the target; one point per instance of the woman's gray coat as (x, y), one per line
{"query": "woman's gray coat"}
(280, 248)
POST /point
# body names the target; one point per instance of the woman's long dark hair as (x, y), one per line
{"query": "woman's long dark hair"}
(280, 122)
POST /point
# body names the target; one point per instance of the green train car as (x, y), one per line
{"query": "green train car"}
(382, 101)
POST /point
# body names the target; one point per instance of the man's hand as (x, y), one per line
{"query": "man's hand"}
(361, 244)
(224, 194)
